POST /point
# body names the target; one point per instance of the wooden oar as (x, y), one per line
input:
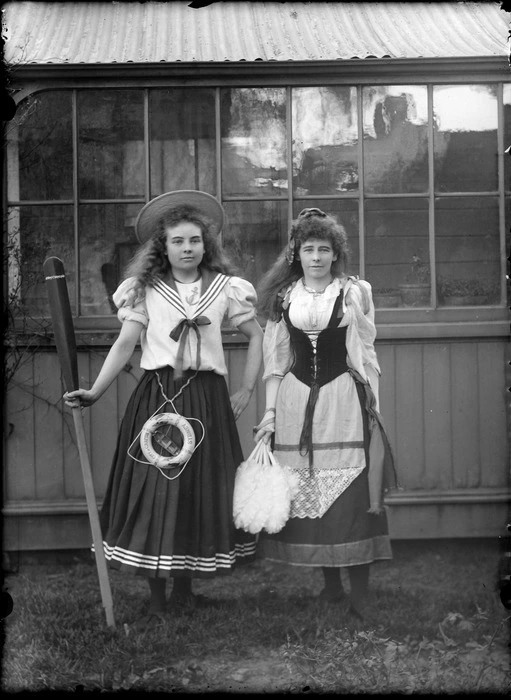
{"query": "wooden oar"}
(63, 330)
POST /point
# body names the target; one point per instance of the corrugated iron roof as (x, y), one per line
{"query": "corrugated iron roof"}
(152, 32)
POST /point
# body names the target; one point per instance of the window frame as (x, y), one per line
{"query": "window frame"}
(392, 323)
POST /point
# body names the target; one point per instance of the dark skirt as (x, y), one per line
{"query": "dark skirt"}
(184, 527)
(346, 535)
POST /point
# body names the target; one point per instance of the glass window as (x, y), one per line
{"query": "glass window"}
(397, 251)
(107, 243)
(325, 138)
(467, 251)
(465, 138)
(253, 236)
(182, 140)
(380, 189)
(254, 152)
(395, 139)
(34, 234)
(40, 148)
(111, 144)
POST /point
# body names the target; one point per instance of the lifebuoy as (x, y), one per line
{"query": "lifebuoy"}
(146, 439)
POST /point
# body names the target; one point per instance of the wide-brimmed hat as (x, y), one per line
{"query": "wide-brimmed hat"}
(151, 213)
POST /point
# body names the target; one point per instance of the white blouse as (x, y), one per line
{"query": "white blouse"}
(162, 310)
(311, 313)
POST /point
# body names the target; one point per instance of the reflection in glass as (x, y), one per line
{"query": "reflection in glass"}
(253, 123)
(253, 236)
(107, 242)
(468, 251)
(39, 148)
(397, 251)
(111, 144)
(395, 138)
(182, 140)
(325, 137)
(34, 234)
(345, 211)
(465, 138)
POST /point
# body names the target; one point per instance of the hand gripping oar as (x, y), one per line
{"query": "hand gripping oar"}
(66, 347)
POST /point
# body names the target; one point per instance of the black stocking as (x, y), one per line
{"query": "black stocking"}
(157, 588)
(333, 583)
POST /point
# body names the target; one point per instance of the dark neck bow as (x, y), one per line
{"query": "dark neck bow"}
(181, 333)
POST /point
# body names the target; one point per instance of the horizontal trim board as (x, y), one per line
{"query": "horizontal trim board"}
(77, 506)
(365, 71)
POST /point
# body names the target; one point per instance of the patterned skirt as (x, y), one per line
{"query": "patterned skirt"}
(158, 527)
(329, 523)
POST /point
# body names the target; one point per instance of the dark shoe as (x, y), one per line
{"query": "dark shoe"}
(149, 622)
(356, 614)
(327, 597)
(191, 601)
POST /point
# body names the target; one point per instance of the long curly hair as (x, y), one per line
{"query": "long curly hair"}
(150, 262)
(310, 224)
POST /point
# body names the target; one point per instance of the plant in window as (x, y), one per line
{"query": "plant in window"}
(456, 291)
(386, 297)
(416, 290)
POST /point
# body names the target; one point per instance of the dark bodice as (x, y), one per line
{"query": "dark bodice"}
(328, 360)
(316, 367)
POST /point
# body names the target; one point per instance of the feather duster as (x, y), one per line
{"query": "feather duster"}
(263, 491)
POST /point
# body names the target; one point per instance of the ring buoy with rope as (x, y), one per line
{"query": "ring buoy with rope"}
(146, 440)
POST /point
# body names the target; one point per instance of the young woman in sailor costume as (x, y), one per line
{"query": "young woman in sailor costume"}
(321, 375)
(167, 511)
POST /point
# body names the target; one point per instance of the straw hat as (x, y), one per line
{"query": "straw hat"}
(151, 213)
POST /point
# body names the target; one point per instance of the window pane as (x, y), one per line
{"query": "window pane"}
(182, 140)
(395, 138)
(465, 138)
(468, 251)
(111, 144)
(34, 234)
(107, 242)
(325, 137)
(346, 213)
(40, 148)
(397, 251)
(254, 235)
(253, 125)
(507, 136)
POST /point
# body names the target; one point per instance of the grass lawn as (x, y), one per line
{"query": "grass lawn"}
(437, 626)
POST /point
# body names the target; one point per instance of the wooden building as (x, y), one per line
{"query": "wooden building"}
(394, 117)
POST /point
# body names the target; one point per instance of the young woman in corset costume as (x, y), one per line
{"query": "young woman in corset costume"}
(321, 375)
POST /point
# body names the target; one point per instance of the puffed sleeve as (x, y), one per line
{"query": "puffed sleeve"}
(277, 354)
(242, 300)
(129, 298)
(361, 334)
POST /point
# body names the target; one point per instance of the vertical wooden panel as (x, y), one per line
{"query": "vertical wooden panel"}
(465, 423)
(492, 418)
(19, 472)
(73, 480)
(48, 391)
(236, 360)
(387, 391)
(103, 428)
(437, 417)
(409, 416)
